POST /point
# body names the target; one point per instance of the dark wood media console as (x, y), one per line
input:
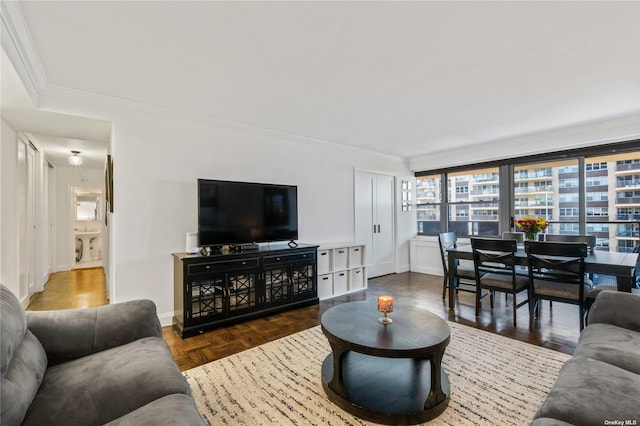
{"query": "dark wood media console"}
(220, 289)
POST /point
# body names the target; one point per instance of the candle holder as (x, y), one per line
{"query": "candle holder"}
(385, 305)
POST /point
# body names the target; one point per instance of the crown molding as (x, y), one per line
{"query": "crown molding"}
(18, 45)
(608, 130)
(51, 93)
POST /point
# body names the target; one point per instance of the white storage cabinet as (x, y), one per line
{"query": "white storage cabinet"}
(341, 269)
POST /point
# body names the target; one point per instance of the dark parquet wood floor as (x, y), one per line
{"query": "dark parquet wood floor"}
(558, 327)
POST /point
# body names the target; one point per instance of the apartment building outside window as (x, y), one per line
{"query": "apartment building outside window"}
(595, 194)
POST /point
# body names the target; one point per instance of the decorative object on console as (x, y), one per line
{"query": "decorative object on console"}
(531, 226)
(385, 305)
(192, 242)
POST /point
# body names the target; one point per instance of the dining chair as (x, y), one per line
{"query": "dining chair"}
(465, 273)
(495, 268)
(519, 237)
(570, 238)
(557, 273)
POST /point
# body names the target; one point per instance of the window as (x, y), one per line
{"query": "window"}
(596, 181)
(475, 213)
(569, 228)
(541, 197)
(597, 196)
(597, 211)
(549, 189)
(428, 200)
(568, 169)
(596, 166)
(569, 212)
(569, 198)
(597, 227)
(568, 183)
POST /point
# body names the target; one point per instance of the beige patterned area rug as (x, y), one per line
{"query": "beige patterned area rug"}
(494, 380)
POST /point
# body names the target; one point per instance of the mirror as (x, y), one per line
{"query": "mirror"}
(87, 207)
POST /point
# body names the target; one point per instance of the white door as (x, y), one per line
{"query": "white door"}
(375, 226)
(31, 219)
(384, 260)
(26, 218)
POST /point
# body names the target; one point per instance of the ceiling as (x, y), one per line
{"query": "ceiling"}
(399, 78)
(56, 134)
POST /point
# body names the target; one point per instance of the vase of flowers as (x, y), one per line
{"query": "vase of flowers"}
(531, 226)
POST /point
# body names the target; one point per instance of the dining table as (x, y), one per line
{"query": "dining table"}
(620, 265)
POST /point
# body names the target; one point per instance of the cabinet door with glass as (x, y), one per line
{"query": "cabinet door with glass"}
(289, 277)
(303, 280)
(221, 289)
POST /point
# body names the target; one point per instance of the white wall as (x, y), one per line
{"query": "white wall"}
(9, 266)
(157, 162)
(158, 156)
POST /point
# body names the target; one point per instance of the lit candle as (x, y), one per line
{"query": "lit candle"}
(385, 305)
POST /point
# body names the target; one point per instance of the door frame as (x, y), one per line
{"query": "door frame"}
(394, 219)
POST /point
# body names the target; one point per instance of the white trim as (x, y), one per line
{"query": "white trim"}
(19, 46)
(615, 129)
(166, 319)
(73, 95)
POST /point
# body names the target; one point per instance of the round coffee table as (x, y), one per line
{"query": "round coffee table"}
(377, 371)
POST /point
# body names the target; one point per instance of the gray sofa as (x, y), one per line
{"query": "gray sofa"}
(106, 365)
(600, 384)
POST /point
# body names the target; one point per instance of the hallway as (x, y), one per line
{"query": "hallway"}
(79, 288)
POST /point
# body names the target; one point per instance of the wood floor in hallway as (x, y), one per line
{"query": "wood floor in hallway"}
(79, 288)
(558, 327)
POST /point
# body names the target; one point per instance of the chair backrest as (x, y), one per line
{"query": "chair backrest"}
(494, 254)
(446, 240)
(518, 236)
(568, 238)
(557, 261)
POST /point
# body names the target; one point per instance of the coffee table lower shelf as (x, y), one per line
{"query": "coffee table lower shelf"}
(385, 390)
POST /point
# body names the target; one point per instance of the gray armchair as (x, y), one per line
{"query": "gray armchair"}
(89, 366)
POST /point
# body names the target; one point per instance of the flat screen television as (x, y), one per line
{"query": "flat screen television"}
(234, 213)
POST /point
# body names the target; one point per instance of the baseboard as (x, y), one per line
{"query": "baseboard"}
(63, 268)
(404, 268)
(25, 302)
(166, 319)
(427, 270)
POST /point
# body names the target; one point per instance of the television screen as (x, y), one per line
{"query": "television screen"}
(244, 212)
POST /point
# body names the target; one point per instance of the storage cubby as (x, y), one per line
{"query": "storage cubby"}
(341, 269)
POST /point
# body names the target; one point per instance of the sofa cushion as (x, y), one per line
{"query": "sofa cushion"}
(611, 344)
(101, 387)
(13, 326)
(23, 361)
(590, 392)
(22, 379)
(163, 411)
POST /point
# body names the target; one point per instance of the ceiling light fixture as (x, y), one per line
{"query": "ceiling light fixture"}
(75, 159)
